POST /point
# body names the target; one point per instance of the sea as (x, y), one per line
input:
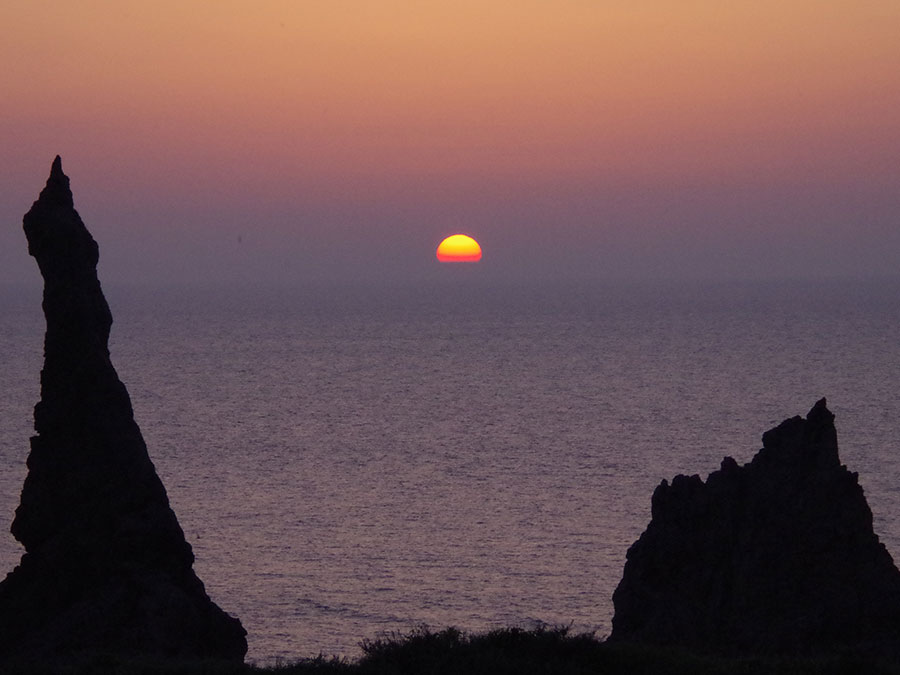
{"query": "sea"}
(350, 462)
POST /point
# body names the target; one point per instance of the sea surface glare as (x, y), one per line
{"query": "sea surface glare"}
(353, 461)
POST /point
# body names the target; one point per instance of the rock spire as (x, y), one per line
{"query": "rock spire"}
(106, 565)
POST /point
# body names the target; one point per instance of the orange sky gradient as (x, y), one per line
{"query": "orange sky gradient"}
(332, 126)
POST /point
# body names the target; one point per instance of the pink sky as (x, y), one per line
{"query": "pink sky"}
(282, 141)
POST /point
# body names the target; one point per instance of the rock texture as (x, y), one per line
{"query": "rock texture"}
(774, 557)
(106, 568)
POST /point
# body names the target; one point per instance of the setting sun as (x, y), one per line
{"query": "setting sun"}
(459, 248)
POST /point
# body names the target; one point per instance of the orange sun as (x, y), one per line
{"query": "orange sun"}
(459, 248)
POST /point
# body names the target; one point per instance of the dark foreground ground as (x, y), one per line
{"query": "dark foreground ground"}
(502, 652)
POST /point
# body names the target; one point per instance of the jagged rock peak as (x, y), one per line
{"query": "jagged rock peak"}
(797, 440)
(106, 567)
(778, 556)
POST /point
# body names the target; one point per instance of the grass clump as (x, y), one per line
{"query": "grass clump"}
(508, 650)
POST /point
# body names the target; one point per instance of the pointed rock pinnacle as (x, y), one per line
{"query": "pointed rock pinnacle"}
(106, 567)
(57, 191)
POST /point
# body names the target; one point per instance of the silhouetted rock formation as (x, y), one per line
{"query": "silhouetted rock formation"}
(106, 568)
(775, 557)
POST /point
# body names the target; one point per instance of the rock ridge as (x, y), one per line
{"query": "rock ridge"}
(778, 556)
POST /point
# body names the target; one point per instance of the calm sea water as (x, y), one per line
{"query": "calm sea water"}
(352, 461)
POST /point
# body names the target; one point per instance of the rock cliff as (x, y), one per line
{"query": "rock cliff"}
(106, 565)
(774, 557)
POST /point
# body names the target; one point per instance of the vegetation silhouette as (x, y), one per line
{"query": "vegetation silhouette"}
(507, 651)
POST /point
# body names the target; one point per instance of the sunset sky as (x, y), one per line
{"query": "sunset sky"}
(292, 140)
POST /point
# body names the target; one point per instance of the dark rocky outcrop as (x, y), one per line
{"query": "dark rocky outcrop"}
(106, 565)
(774, 557)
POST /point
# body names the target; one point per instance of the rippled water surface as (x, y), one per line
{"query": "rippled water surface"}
(352, 461)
